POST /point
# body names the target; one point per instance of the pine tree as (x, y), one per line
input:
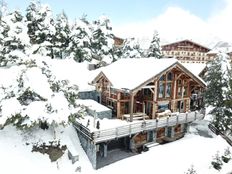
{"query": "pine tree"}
(15, 40)
(217, 79)
(27, 97)
(61, 38)
(79, 47)
(131, 49)
(102, 41)
(41, 28)
(154, 49)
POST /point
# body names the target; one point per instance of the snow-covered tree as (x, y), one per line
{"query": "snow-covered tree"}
(41, 28)
(61, 38)
(36, 94)
(80, 36)
(14, 38)
(102, 41)
(131, 49)
(3, 8)
(217, 79)
(155, 49)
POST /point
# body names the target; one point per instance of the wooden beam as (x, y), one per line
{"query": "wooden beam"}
(152, 91)
(131, 106)
(179, 76)
(144, 112)
(118, 105)
(174, 94)
(154, 100)
(148, 87)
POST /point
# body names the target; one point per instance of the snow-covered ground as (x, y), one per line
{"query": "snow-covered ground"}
(175, 157)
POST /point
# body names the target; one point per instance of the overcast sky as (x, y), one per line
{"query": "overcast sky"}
(201, 20)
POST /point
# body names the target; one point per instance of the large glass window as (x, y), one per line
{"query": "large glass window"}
(169, 76)
(161, 90)
(165, 85)
(169, 89)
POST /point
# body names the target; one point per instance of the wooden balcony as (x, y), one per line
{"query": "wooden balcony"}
(140, 126)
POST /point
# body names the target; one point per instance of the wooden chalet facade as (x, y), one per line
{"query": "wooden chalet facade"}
(118, 42)
(186, 51)
(172, 88)
(162, 95)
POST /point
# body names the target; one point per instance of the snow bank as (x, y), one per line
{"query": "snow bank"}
(175, 157)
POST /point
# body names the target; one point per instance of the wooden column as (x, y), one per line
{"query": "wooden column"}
(131, 106)
(118, 105)
(154, 100)
(174, 95)
(144, 112)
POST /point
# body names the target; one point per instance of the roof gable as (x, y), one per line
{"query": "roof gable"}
(186, 43)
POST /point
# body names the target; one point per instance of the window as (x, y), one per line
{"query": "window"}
(185, 90)
(170, 76)
(147, 92)
(161, 90)
(162, 78)
(165, 85)
(179, 88)
(168, 89)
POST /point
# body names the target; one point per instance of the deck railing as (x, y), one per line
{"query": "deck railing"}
(145, 125)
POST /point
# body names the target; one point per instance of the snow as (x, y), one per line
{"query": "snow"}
(105, 123)
(76, 73)
(195, 68)
(175, 157)
(130, 73)
(37, 76)
(93, 105)
(34, 79)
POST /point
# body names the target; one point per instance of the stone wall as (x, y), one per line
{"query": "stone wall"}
(89, 148)
(94, 95)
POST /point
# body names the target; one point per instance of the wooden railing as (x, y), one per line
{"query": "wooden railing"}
(133, 128)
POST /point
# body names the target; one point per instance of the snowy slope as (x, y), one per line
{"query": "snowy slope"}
(175, 157)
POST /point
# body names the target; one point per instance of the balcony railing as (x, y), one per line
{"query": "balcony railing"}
(140, 126)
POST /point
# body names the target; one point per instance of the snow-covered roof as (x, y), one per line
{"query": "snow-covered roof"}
(92, 105)
(195, 68)
(187, 40)
(131, 73)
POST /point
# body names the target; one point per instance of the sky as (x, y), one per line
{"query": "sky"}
(205, 21)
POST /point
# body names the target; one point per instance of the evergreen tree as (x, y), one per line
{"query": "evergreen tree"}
(41, 28)
(102, 41)
(228, 106)
(217, 79)
(61, 39)
(80, 36)
(3, 8)
(154, 49)
(131, 49)
(54, 103)
(15, 40)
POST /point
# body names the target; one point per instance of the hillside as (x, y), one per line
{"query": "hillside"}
(196, 148)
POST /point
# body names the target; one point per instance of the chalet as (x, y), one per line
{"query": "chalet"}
(150, 86)
(214, 53)
(118, 42)
(152, 102)
(186, 51)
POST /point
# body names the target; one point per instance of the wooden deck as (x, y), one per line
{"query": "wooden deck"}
(140, 126)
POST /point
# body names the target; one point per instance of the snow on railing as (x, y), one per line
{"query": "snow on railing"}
(133, 128)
